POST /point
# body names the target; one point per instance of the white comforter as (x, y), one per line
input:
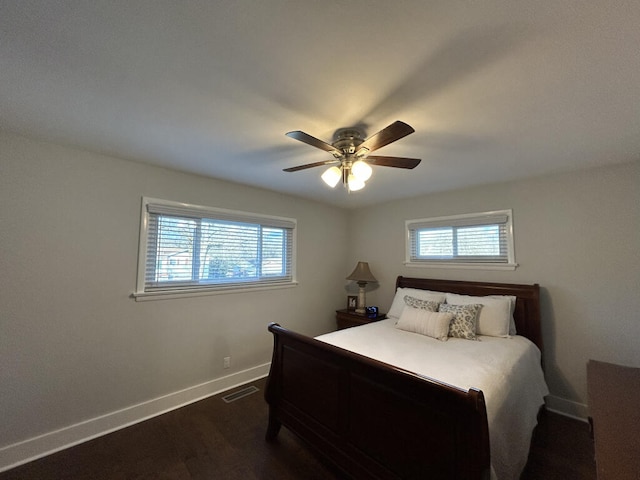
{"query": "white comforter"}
(507, 370)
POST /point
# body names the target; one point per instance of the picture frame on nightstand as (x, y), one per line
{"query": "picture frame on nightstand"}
(352, 302)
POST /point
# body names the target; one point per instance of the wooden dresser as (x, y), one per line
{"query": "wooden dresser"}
(614, 409)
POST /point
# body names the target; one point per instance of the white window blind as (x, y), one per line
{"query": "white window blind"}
(480, 239)
(192, 248)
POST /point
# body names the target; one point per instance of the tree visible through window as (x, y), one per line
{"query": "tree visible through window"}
(199, 247)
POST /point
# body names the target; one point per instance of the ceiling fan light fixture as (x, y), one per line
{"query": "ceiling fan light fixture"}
(354, 183)
(332, 176)
(350, 150)
(361, 170)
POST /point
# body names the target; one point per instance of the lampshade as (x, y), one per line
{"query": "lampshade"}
(361, 170)
(354, 183)
(362, 273)
(332, 176)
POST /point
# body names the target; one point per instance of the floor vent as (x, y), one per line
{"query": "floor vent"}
(232, 397)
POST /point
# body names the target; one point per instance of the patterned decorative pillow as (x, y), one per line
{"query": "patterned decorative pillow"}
(398, 299)
(428, 305)
(465, 319)
(495, 316)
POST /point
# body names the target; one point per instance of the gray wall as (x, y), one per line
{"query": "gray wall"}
(73, 344)
(576, 234)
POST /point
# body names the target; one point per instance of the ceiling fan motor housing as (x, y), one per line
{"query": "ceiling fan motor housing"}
(348, 140)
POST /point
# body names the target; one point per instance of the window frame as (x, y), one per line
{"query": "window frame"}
(454, 221)
(177, 290)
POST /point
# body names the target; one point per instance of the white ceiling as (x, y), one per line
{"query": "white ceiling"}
(496, 90)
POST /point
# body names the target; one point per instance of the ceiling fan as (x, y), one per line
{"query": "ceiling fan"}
(352, 162)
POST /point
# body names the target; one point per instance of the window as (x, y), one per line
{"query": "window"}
(479, 240)
(194, 249)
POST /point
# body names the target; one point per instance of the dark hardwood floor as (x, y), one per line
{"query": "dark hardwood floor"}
(561, 448)
(212, 439)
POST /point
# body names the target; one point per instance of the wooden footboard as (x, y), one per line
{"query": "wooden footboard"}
(373, 420)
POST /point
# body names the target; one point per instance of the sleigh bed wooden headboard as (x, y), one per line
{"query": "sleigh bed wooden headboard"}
(527, 311)
(376, 421)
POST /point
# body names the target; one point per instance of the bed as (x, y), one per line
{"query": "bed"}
(377, 411)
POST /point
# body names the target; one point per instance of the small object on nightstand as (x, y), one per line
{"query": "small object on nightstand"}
(352, 302)
(348, 318)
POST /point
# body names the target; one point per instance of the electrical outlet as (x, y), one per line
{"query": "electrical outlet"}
(227, 362)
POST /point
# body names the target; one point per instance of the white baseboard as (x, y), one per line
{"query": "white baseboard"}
(33, 448)
(567, 408)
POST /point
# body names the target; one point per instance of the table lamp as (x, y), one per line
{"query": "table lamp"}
(362, 275)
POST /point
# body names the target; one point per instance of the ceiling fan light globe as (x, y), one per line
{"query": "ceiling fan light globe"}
(354, 183)
(361, 170)
(332, 176)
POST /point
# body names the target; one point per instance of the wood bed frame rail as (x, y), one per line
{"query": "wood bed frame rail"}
(373, 420)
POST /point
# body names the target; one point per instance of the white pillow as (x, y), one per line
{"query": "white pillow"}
(495, 316)
(431, 324)
(398, 301)
(512, 322)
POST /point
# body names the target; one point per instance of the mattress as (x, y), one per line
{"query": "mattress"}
(507, 370)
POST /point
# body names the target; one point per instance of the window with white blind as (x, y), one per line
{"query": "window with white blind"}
(194, 249)
(478, 240)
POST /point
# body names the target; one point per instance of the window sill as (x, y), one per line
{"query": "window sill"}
(200, 292)
(467, 266)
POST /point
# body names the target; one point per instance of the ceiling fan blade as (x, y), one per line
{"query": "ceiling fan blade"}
(310, 165)
(393, 132)
(397, 162)
(314, 142)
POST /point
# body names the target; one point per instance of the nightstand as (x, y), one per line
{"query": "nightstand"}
(348, 318)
